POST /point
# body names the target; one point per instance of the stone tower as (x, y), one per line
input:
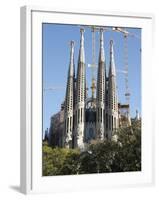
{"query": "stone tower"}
(100, 97)
(80, 97)
(69, 99)
(112, 95)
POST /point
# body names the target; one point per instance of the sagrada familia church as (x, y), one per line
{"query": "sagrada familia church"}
(82, 118)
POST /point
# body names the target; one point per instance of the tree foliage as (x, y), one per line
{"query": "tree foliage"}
(121, 154)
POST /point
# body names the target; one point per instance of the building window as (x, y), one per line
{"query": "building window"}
(73, 121)
(109, 122)
(98, 114)
(106, 121)
(67, 124)
(115, 122)
(76, 118)
(70, 123)
(81, 114)
(78, 115)
(101, 114)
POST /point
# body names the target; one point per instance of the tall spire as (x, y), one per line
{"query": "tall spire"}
(81, 51)
(113, 121)
(71, 67)
(80, 96)
(101, 89)
(112, 62)
(101, 52)
(69, 99)
(137, 115)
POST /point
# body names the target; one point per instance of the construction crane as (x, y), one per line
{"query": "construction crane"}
(121, 71)
(93, 65)
(54, 88)
(126, 34)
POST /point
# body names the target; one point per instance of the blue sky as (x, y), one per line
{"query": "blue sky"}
(56, 53)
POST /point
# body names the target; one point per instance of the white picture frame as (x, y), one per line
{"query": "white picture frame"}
(31, 103)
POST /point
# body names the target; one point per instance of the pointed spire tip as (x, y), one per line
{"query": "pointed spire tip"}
(71, 65)
(81, 51)
(112, 62)
(111, 46)
(72, 43)
(111, 42)
(101, 52)
(82, 30)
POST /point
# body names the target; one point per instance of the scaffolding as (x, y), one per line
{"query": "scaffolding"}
(124, 116)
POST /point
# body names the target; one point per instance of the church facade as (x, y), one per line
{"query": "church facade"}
(90, 118)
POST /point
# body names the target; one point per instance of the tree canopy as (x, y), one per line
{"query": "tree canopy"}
(121, 154)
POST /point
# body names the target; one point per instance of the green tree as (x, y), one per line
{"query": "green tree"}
(59, 161)
(71, 162)
(116, 155)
